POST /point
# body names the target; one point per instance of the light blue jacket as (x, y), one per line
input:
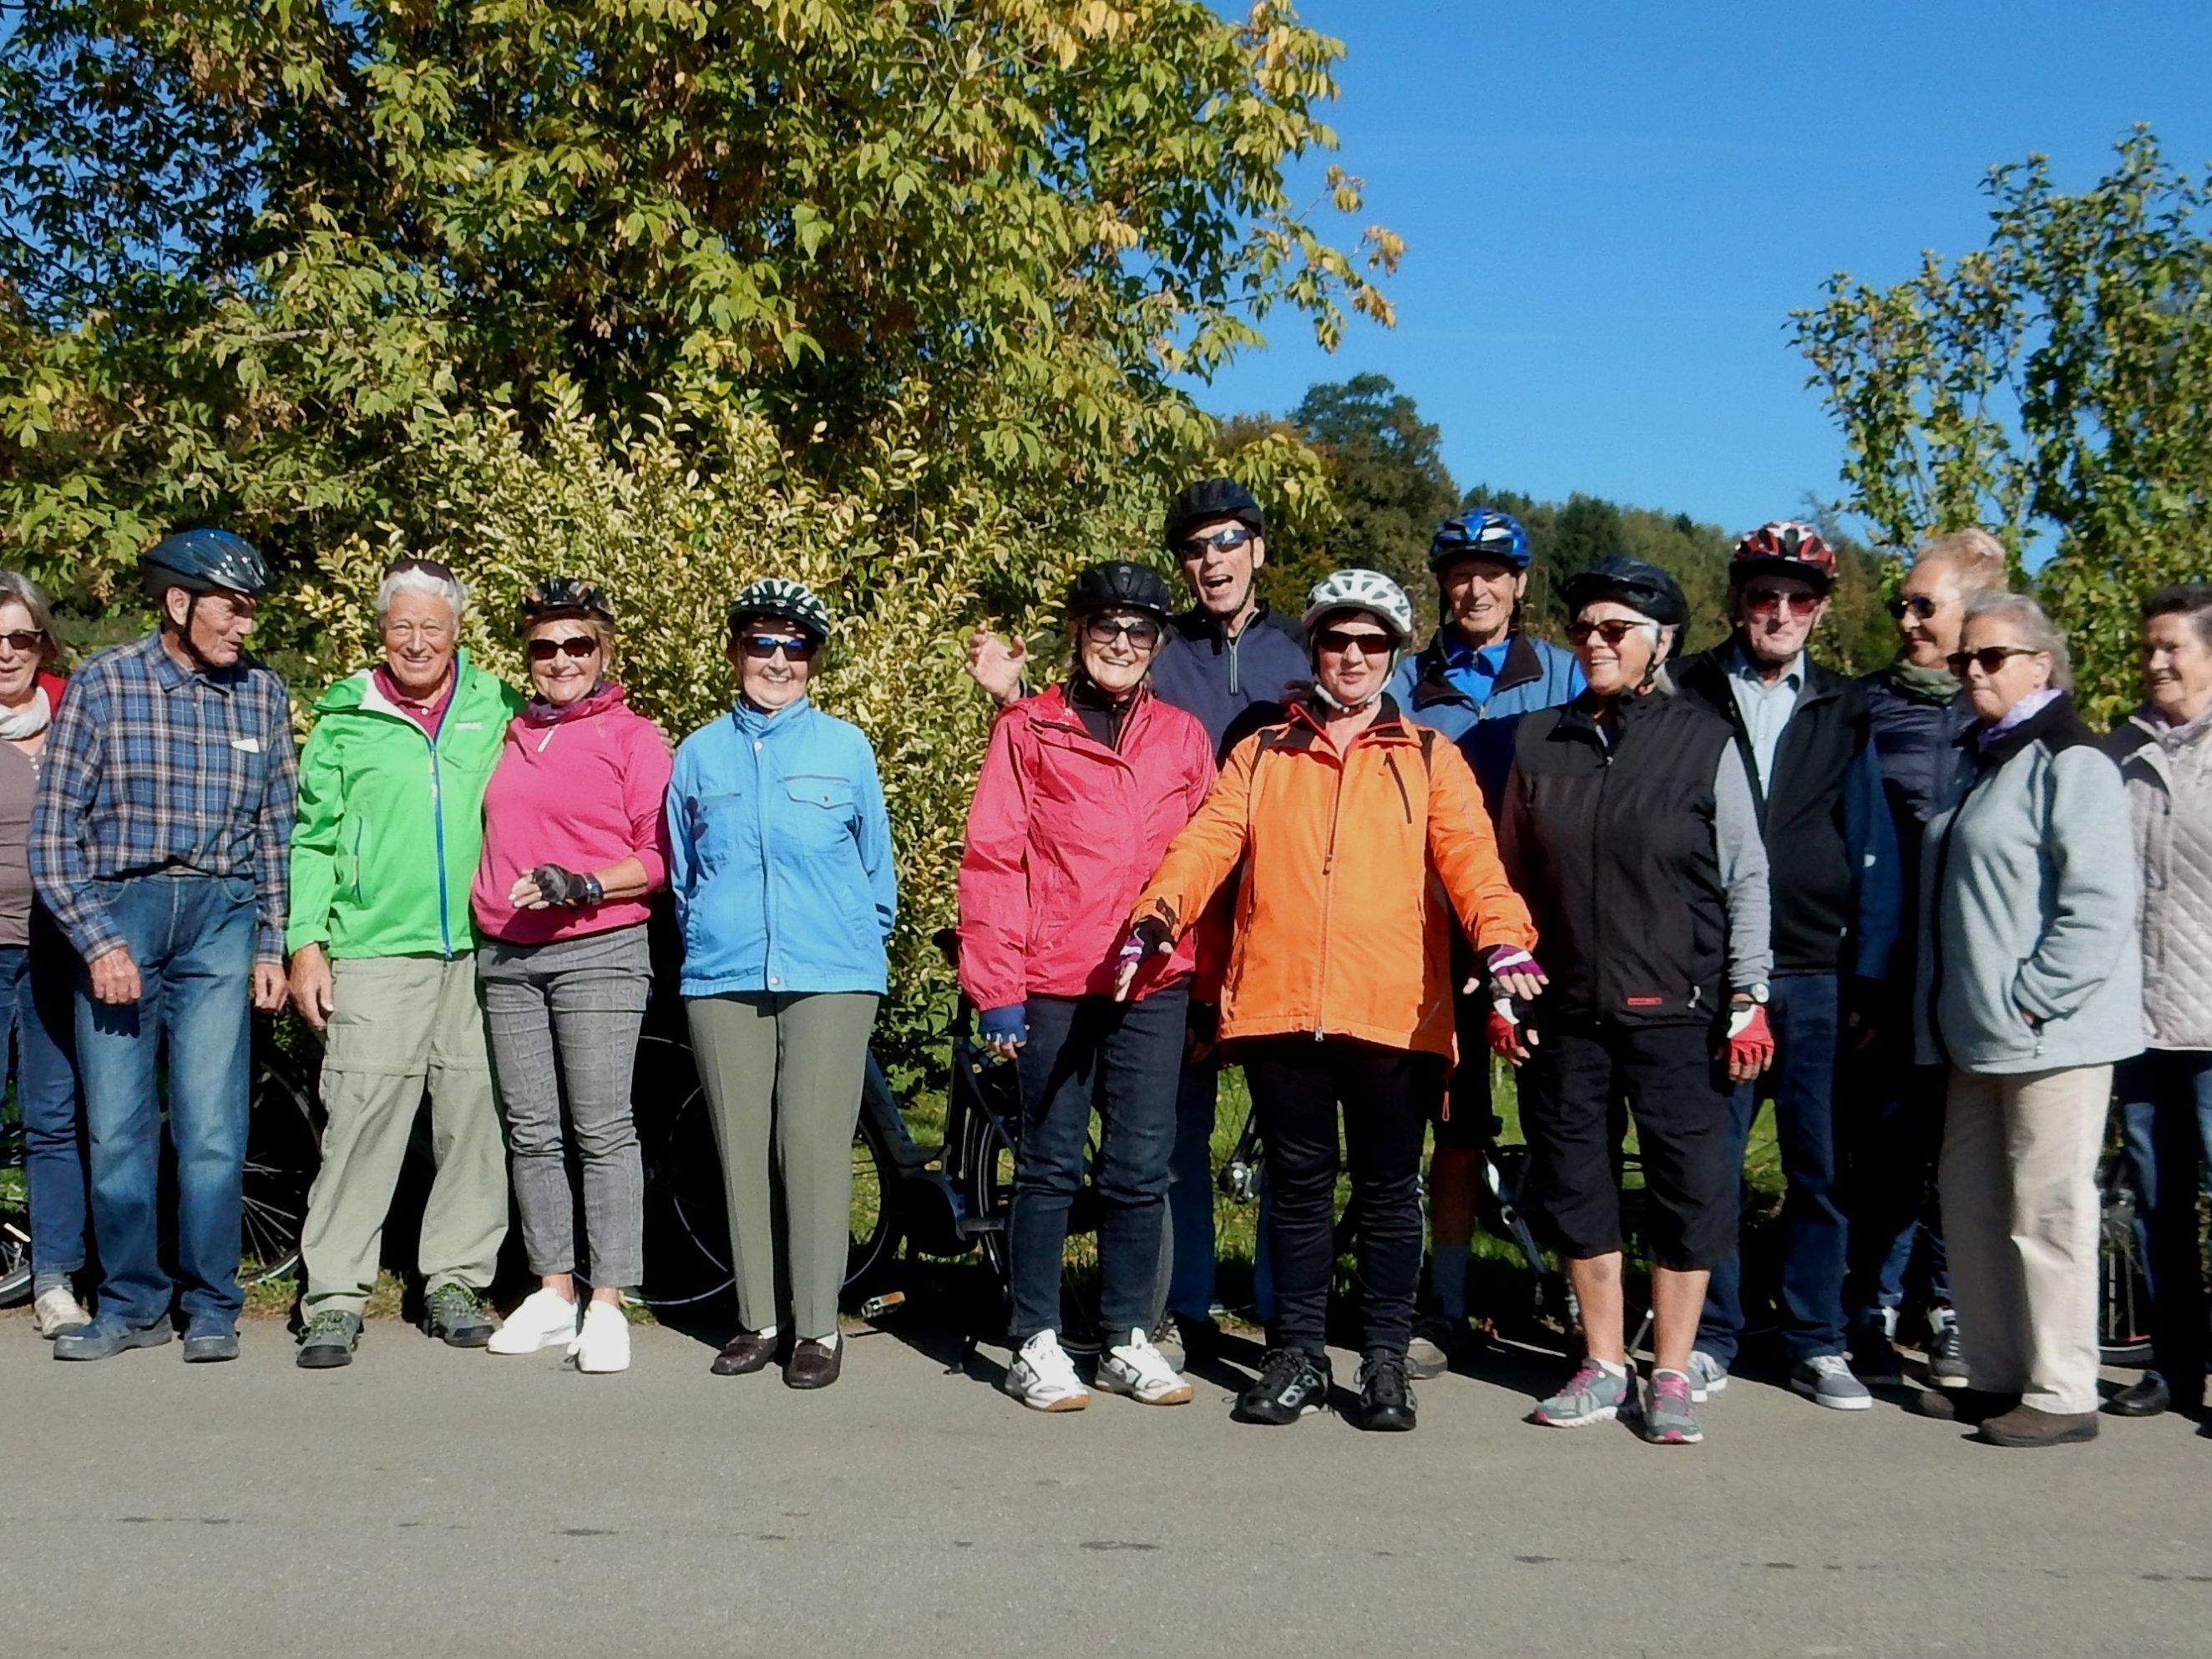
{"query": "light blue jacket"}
(780, 856)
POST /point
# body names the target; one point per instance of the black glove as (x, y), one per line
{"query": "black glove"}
(566, 887)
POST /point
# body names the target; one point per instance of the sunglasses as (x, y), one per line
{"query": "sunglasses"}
(1919, 604)
(1143, 632)
(24, 639)
(421, 568)
(1223, 541)
(1990, 658)
(1765, 601)
(572, 645)
(1337, 642)
(1613, 630)
(761, 647)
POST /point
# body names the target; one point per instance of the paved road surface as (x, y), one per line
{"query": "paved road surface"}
(425, 1502)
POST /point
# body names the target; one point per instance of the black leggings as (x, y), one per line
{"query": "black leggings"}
(1296, 1085)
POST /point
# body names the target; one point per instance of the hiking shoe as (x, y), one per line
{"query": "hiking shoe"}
(1139, 1369)
(1826, 1380)
(541, 1320)
(1670, 1410)
(1874, 1357)
(1593, 1394)
(455, 1315)
(2030, 1425)
(1292, 1384)
(1043, 1376)
(329, 1340)
(1386, 1395)
(105, 1338)
(601, 1344)
(1947, 1359)
(57, 1311)
(1437, 1341)
(210, 1343)
(1708, 1376)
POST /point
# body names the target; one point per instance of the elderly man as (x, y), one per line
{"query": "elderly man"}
(383, 945)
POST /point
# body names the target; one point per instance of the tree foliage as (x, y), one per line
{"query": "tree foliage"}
(1386, 468)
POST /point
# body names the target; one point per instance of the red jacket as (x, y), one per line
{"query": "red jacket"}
(1061, 835)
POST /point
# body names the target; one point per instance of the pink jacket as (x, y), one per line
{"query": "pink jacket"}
(580, 786)
(1062, 835)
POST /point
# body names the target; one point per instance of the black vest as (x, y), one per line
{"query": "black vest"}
(1612, 848)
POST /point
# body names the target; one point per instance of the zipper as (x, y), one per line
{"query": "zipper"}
(1396, 777)
(438, 833)
(1327, 892)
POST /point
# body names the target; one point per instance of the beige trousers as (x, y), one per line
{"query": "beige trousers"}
(2018, 1175)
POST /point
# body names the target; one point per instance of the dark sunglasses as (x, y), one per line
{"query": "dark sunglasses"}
(572, 645)
(1336, 640)
(1143, 632)
(421, 567)
(25, 638)
(1225, 541)
(1613, 630)
(1919, 604)
(761, 647)
(1765, 601)
(1990, 658)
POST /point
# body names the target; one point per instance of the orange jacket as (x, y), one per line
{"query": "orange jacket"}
(1341, 924)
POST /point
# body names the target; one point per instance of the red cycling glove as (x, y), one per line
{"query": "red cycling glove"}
(1750, 1043)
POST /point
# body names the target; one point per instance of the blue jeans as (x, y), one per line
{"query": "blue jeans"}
(2166, 1121)
(1806, 1014)
(1123, 1060)
(193, 939)
(34, 990)
(1895, 1118)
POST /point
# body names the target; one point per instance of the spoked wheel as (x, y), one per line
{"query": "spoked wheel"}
(2123, 1286)
(986, 1165)
(874, 1237)
(283, 1149)
(14, 1212)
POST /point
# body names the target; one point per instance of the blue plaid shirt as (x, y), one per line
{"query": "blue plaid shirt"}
(150, 766)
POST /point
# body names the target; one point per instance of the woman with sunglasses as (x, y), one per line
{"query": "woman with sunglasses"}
(573, 843)
(781, 862)
(1362, 838)
(37, 968)
(1628, 822)
(1082, 788)
(2031, 991)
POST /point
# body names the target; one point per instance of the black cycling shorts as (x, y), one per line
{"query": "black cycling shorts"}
(1468, 1127)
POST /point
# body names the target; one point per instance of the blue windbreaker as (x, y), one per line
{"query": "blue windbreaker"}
(1535, 675)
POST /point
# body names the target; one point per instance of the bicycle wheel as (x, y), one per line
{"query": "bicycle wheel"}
(2122, 1286)
(874, 1235)
(283, 1149)
(14, 1213)
(687, 1229)
(987, 1183)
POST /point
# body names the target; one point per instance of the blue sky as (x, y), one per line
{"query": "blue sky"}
(1611, 210)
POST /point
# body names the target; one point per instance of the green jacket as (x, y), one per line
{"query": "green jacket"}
(390, 824)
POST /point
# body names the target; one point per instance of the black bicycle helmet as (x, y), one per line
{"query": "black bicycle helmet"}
(1120, 584)
(201, 560)
(560, 596)
(1207, 500)
(778, 598)
(1640, 586)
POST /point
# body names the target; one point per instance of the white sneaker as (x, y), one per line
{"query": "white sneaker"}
(1140, 1370)
(603, 1344)
(57, 1312)
(1708, 1376)
(543, 1321)
(1043, 1376)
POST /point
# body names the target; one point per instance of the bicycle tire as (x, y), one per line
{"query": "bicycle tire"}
(284, 1152)
(2122, 1286)
(15, 1216)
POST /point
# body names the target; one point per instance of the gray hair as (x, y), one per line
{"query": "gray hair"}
(1976, 557)
(409, 576)
(16, 588)
(2033, 624)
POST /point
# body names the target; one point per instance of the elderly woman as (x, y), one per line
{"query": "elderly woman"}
(573, 842)
(1084, 787)
(36, 966)
(391, 788)
(2031, 986)
(2164, 753)
(780, 860)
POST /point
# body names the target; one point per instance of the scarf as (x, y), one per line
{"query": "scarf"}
(28, 720)
(1923, 684)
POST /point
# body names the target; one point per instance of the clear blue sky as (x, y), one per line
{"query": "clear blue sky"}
(1610, 211)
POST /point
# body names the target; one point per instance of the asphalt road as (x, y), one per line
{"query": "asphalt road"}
(426, 1502)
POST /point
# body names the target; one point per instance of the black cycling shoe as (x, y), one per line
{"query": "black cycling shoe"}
(1292, 1385)
(1386, 1394)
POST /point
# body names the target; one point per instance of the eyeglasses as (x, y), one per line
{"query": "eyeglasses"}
(1918, 603)
(571, 645)
(762, 647)
(25, 638)
(1990, 658)
(1765, 601)
(1337, 642)
(1226, 540)
(1613, 630)
(421, 567)
(1144, 633)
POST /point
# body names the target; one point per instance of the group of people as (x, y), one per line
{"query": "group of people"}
(1669, 890)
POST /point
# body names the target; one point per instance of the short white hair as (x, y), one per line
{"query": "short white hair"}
(409, 577)
(2034, 625)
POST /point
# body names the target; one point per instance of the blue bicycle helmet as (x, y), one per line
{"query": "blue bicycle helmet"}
(201, 560)
(1479, 533)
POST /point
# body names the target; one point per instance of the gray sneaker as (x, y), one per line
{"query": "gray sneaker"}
(1708, 1376)
(1947, 1360)
(329, 1340)
(1593, 1394)
(1436, 1341)
(1826, 1380)
(455, 1315)
(1670, 1410)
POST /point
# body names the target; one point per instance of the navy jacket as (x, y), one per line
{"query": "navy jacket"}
(1916, 743)
(1218, 679)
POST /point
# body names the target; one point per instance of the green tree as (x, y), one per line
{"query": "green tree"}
(1386, 470)
(2055, 384)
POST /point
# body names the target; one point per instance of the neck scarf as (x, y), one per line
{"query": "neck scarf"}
(27, 721)
(1923, 684)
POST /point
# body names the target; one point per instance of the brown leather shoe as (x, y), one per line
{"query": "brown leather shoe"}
(1961, 1405)
(2027, 1425)
(743, 1354)
(813, 1364)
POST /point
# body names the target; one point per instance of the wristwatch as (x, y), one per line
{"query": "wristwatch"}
(1754, 994)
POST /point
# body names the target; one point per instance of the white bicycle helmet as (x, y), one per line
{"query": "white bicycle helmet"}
(1362, 590)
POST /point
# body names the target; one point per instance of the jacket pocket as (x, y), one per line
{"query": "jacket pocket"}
(819, 809)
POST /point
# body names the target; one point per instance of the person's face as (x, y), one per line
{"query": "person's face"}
(1479, 594)
(1933, 612)
(565, 660)
(1777, 614)
(1615, 645)
(1219, 559)
(773, 659)
(1992, 690)
(216, 627)
(1116, 647)
(19, 663)
(419, 637)
(1352, 657)
(2177, 668)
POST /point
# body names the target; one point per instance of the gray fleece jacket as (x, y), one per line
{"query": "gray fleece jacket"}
(2029, 960)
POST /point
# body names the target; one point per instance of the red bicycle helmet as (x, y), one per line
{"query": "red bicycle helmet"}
(1784, 548)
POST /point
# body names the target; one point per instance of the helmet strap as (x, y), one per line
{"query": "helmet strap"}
(1330, 701)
